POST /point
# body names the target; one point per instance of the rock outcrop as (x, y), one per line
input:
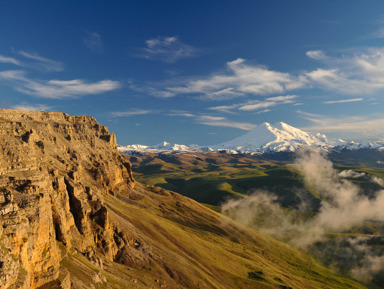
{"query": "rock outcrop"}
(54, 171)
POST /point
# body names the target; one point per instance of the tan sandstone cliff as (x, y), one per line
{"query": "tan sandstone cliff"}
(73, 217)
(54, 171)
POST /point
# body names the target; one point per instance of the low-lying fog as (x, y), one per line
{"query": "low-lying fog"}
(343, 206)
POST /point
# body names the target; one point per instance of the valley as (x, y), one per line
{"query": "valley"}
(219, 179)
(211, 178)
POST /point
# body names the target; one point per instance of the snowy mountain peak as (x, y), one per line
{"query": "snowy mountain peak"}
(277, 137)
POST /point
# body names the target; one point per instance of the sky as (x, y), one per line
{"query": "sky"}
(198, 72)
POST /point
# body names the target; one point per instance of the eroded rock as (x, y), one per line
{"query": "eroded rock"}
(54, 171)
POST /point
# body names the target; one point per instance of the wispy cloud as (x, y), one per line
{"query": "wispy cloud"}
(349, 127)
(224, 122)
(94, 42)
(225, 108)
(344, 100)
(254, 105)
(36, 107)
(282, 98)
(214, 120)
(56, 89)
(378, 34)
(39, 62)
(168, 49)
(257, 105)
(241, 79)
(351, 73)
(263, 111)
(5, 59)
(132, 112)
(181, 113)
(361, 72)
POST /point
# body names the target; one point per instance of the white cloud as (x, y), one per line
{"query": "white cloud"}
(341, 208)
(344, 100)
(131, 112)
(316, 54)
(253, 105)
(241, 79)
(351, 174)
(349, 127)
(5, 59)
(224, 122)
(359, 73)
(93, 42)
(40, 62)
(214, 120)
(56, 89)
(377, 180)
(263, 111)
(258, 105)
(12, 75)
(36, 107)
(282, 98)
(168, 49)
(181, 113)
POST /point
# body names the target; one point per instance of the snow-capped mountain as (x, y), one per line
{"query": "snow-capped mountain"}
(274, 138)
(164, 146)
(279, 137)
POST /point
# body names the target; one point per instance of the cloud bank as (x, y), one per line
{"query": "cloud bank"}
(342, 207)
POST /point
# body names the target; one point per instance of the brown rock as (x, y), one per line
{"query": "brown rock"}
(54, 170)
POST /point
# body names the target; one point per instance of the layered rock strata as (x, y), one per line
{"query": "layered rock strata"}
(54, 171)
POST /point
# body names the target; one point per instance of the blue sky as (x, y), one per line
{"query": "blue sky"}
(198, 71)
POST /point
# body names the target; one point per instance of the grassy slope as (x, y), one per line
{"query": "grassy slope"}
(233, 176)
(213, 181)
(186, 245)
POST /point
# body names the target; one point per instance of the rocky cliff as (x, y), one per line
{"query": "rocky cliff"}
(54, 171)
(72, 216)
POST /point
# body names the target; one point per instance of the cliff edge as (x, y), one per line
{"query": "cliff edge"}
(54, 171)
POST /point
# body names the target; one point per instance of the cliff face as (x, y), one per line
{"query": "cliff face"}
(54, 171)
(73, 217)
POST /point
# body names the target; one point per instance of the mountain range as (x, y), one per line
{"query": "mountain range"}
(265, 138)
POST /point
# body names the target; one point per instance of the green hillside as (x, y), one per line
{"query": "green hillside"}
(212, 179)
(202, 249)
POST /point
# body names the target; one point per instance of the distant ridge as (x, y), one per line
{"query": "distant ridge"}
(265, 138)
